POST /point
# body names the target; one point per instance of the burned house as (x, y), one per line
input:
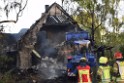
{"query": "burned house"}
(48, 31)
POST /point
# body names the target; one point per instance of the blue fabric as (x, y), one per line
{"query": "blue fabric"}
(91, 59)
(75, 71)
(70, 65)
(76, 59)
(77, 35)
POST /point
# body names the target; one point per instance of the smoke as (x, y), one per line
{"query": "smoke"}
(45, 45)
(50, 68)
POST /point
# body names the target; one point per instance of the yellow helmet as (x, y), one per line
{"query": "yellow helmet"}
(83, 59)
(103, 60)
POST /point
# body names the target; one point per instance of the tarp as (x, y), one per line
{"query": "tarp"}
(77, 35)
(82, 42)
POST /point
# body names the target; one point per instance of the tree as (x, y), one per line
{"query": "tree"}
(11, 10)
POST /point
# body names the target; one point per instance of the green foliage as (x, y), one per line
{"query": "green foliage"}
(97, 14)
(114, 39)
(5, 63)
(7, 78)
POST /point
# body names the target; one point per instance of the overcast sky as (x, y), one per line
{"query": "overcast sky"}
(32, 12)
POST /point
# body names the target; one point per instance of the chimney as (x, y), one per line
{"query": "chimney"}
(46, 7)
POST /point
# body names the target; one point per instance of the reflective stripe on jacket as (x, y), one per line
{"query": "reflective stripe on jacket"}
(105, 73)
(84, 74)
(121, 70)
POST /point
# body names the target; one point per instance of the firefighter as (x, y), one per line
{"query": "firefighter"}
(118, 68)
(84, 71)
(103, 73)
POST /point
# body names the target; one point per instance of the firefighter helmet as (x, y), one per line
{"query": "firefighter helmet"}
(118, 55)
(83, 59)
(103, 60)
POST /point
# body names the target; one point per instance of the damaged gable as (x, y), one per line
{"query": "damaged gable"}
(58, 15)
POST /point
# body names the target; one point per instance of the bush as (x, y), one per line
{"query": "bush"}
(7, 78)
(5, 63)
